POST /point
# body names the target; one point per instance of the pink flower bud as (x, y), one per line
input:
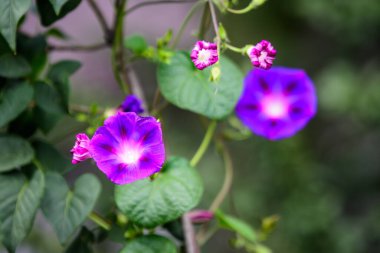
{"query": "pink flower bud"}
(80, 150)
(200, 216)
(262, 55)
(204, 54)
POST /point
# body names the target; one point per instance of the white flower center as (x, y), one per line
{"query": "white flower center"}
(130, 155)
(263, 56)
(204, 55)
(274, 107)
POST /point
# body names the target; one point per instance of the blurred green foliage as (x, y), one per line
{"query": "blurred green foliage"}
(324, 183)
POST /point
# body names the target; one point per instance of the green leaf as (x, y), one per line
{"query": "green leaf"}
(136, 43)
(57, 33)
(175, 190)
(58, 4)
(34, 49)
(67, 209)
(20, 198)
(14, 99)
(59, 74)
(236, 225)
(24, 125)
(191, 89)
(11, 12)
(14, 152)
(48, 14)
(82, 243)
(49, 157)
(14, 66)
(150, 244)
(48, 98)
(45, 121)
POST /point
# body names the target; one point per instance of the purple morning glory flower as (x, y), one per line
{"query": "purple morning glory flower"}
(128, 147)
(277, 103)
(131, 104)
(204, 54)
(80, 150)
(262, 55)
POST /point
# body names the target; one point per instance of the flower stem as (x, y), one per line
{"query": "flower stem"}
(139, 5)
(205, 23)
(83, 48)
(234, 49)
(205, 233)
(118, 61)
(184, 23)
(188, 230)
(99, 220)
(204, 145)
(102, 21)
(215, 24)
(252, 5)
(227, 178)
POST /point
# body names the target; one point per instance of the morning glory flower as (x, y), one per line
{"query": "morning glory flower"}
(204, 54)
(277, 103)
(131, 104)
(128, 147)
(262, 55)
(80, 150)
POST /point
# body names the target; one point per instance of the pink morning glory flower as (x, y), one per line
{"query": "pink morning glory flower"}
(131, 104)
(80, 150)
(128, 147)
(277, 103)
(204, 54)
(262, 55)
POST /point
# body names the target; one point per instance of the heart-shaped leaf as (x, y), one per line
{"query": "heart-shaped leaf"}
(175, 190)
(14, 152)
(67, 209)
(14, 99)
(11, 12)
(150, 244)
(191, 89)
(20, 198)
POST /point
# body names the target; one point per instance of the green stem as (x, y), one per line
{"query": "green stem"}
(99, 220)
(204, 145)
(235, 49)
(205, 233)
(118, 63)
(226, 187)
(185, 22)
(215, 24)
(205, 23)
(252, 5)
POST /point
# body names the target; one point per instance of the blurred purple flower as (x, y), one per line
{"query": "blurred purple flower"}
(80, 150)
(128, 147)
(131, 104)
(262, 55)
(277, 103)
(204, 54)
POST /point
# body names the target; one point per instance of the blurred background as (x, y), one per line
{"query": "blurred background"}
(324, 183)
